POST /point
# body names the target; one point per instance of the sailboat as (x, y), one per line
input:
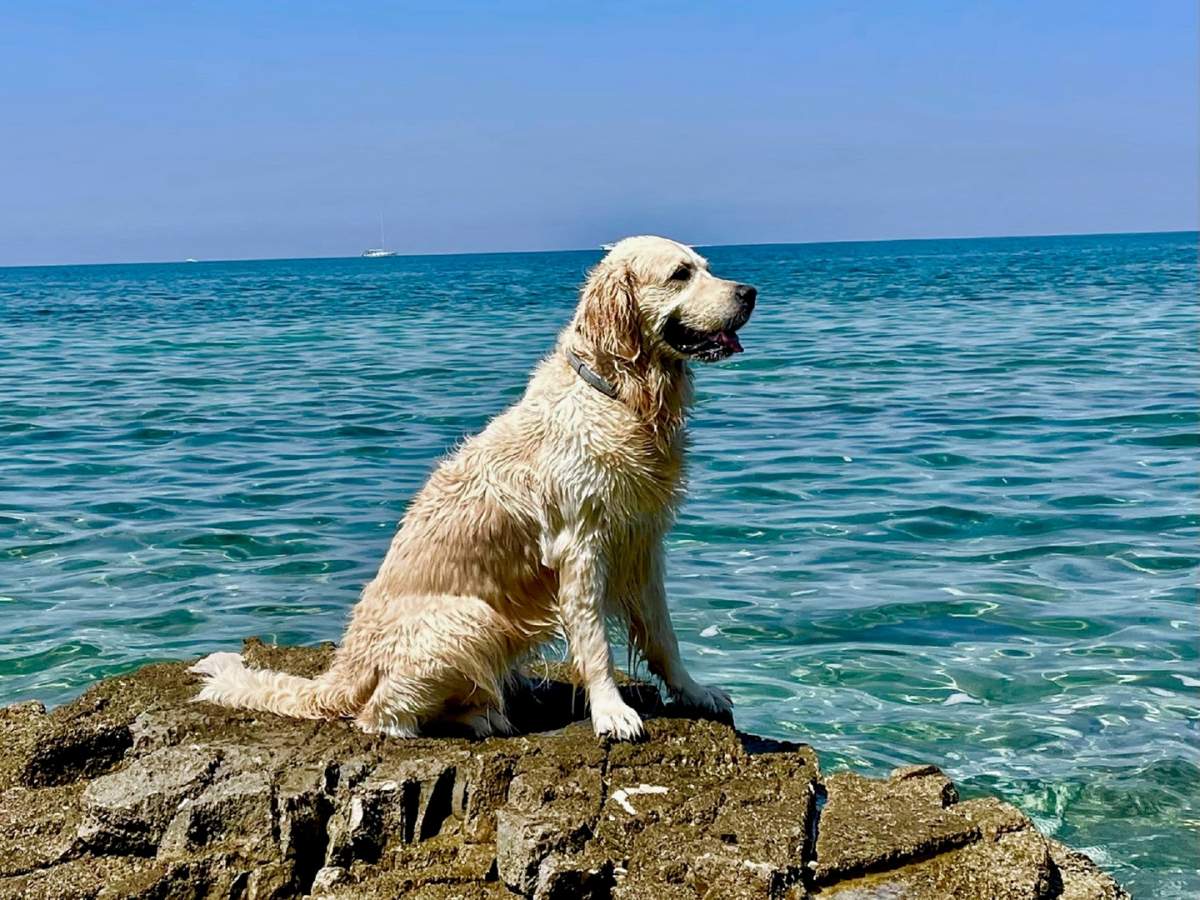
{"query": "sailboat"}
(376, 252)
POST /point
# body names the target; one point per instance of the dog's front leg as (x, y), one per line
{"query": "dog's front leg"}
(581, 591)
(652, 633)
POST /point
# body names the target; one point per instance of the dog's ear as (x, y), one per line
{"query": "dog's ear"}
(608, 320)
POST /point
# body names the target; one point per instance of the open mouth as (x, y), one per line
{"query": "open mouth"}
(706, 346)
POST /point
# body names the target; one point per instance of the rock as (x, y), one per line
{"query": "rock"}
(868, 824)
(99, 877)
(127, 812)
(489, 773)
(135, 791)
(236, 812)
(37, 827)
(524, 840)
(1080, 878)
(326, 879)
(23, 728)
(1015, 866)
(698, 818)
(574, 877)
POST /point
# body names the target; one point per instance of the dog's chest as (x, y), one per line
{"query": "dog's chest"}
(639, 475)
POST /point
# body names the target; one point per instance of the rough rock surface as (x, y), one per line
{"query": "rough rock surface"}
(134, 791)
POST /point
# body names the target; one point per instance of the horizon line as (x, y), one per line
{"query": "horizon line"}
(701, 244)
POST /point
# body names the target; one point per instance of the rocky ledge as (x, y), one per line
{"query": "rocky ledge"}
(134, 791)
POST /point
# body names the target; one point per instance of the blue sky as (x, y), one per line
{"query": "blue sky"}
(158, 131)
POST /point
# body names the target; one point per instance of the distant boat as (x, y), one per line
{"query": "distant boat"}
(377, 252)
(190, 259)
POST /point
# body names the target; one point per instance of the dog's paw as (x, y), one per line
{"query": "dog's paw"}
(705, 697)
(215, 663)
(400, 730)
(487, 722)
(499, 723)
(617, 720)
(401, 727)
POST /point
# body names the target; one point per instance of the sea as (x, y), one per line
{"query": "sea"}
(944, 507)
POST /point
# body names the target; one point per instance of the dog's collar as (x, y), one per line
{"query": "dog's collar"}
(588, 374)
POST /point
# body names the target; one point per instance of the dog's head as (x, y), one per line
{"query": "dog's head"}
(652, 297)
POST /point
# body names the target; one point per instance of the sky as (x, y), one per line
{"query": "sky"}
(230, 129)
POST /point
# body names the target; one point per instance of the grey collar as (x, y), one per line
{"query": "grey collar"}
(607, 388)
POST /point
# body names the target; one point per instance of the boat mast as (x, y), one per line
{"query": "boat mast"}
(382, 245)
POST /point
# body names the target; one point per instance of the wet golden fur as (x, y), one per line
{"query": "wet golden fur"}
(547, 523)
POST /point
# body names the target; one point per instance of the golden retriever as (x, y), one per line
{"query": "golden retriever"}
(550, 522)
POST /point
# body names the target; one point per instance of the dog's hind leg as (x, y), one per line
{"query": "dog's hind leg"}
(443, 652)
(387, 713)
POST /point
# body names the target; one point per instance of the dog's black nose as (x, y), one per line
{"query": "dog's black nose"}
(746, 294)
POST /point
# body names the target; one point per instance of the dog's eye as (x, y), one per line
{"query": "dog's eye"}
(683, 273)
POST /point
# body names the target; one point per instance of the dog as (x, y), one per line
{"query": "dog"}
(548, 523)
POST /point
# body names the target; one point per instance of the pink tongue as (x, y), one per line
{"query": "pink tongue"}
(729, 339)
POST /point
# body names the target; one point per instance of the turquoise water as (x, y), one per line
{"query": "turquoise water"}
(943, 508)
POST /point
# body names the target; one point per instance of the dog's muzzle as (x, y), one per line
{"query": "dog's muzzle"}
(712, 346)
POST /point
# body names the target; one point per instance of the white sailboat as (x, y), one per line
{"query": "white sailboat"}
(376, 252)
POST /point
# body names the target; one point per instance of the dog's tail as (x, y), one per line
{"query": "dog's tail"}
(227, 682)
